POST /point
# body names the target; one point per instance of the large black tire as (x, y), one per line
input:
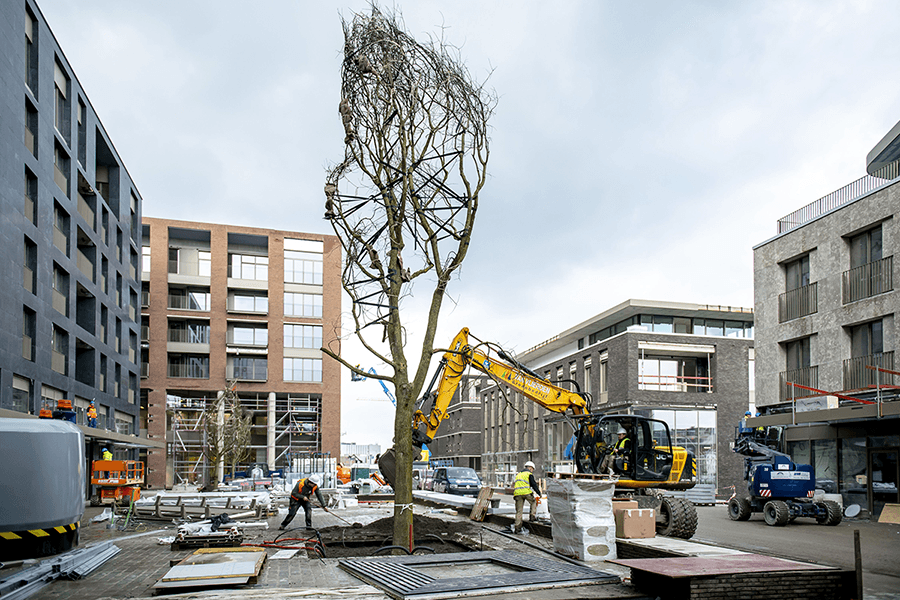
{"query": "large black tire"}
(776, 513)
(678, 518)
(739, 509)
(833, 514)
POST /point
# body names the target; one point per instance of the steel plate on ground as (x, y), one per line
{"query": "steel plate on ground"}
(694, 566)
(469, 574)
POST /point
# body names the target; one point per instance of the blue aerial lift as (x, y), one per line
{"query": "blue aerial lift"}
(779, 488)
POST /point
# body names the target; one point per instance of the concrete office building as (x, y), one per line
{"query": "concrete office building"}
(71, 244)
(244, 309)
(686, 364)
(826, 333)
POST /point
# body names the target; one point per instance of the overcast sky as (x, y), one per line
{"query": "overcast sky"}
(639, 149)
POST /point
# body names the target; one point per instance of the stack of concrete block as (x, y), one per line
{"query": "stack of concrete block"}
(581, 512)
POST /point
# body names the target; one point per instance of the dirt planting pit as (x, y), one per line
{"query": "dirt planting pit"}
(432, 535)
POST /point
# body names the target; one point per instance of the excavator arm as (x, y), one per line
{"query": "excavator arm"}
(503, 369)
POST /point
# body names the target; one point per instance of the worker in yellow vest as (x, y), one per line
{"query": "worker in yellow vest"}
(525, 488)
(620, 449)
(106, 454)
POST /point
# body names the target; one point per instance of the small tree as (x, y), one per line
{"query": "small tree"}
(227, 427)
(404, 198)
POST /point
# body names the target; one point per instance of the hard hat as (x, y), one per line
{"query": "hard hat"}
(316, 479)
(529, 464)
(747, 413)
(92, 401)
(621, 431)
(105, 450)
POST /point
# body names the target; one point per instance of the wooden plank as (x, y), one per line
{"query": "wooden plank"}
(890, 514)
(479, 509)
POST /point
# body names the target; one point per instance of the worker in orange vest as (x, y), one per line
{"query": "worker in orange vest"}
(300, 495)
(92, 415)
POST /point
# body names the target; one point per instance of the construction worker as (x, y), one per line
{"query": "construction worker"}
(525, 488)
(92, 415)
(106, 454)
(620, 448)
(300, 496)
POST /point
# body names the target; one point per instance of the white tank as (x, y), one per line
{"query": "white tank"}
(41, 474)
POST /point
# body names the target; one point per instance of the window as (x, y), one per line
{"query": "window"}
(250, 336)
(82, 132)
(866, 247)
(186, 299)
(245, 266)
(104, 319)
(31, 128)
(204, 263)
(60, 290)
(62, 94)
(866, 339)
(31, 52)
(587, 377)
(674, 373)
(797, 354)
(249, 368)
(303, 266)
(145, 259)
(120, 244)
(303, 369)
(28, 328)
(303, 305)
(59, 350)
(21, 395)
(104, 275)
(188, 366)
(796, 273)
(174, 256)
(29, 265)
(102, 379)
(31, 196)
(302, 336)
(249, 303)
(61, 229)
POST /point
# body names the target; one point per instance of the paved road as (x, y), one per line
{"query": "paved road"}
(805, 540)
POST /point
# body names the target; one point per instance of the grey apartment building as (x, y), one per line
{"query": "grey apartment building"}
(826, 333)
(686, 364)
(247, 310)
(71, 244)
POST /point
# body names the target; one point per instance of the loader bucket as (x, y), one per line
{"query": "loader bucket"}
(387, 464)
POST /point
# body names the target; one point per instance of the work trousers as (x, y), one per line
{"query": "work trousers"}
(292, 510)
(520, 505)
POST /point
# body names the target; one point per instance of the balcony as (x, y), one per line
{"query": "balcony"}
(85, 264)
(188, 371)
(798, 303)
(868, 280)
(85, 210)
(145, 299)
(862, 372)
(189, 302)
(189, 336)
(247, 372)
(145, 333)
(807, 377)
(145, 370)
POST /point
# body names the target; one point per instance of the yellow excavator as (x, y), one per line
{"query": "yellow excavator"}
(645, 468)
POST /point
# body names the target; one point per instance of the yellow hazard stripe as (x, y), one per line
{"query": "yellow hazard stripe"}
(39, 533)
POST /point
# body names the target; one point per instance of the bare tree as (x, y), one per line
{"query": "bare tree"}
(227, 427)
(404, 198)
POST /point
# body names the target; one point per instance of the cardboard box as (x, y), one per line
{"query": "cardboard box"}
(634, 523)
(623, 504)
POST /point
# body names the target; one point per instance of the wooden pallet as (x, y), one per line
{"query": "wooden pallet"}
(479, 509)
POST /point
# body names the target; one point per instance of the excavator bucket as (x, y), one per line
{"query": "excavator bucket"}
(387, 464)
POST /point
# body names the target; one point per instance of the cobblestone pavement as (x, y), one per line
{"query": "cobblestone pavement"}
(143, 561)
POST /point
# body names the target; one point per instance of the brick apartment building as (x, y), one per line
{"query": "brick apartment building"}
(227, 306)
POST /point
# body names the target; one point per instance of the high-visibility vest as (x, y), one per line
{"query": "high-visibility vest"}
(303, 485)
(522, 485)
(107, 455)
(621, 443)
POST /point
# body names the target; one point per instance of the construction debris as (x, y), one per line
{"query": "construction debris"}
(166, 506)
(76, 564)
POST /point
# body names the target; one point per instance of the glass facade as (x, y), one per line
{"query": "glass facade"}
(684, 325)
(694, 430)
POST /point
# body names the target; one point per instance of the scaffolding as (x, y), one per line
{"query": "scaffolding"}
(298, 424)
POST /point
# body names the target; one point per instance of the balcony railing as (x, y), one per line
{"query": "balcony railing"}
(868, 280)
(145, 370)
(808, 377)
(189, 336)
(862, 372)
(247, 372)
(189, 371)
(845, 195)
(145, 299)
(798, 303)
(85, 210)
(189, 302)
(145, 333)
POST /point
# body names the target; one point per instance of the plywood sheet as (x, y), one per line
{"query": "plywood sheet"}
(215, 567)
(694, 566)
